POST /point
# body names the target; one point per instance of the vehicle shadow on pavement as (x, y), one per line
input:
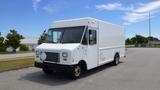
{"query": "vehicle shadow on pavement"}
(98, 69)
(42, 78)
(60, 78)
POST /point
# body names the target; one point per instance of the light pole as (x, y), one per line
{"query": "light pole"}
(149, 29)
(149, 24)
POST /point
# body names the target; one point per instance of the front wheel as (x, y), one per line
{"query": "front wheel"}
(76, 72)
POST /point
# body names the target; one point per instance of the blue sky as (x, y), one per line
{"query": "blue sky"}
(31, 17)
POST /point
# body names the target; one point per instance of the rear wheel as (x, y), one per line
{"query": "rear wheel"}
(48, 72)
(77, 71)
(116, 59)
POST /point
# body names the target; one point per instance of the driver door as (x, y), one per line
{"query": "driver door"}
(91, 49)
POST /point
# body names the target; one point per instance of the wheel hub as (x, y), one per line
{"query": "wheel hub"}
(77, 71)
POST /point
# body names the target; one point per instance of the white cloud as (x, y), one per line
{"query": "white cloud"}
(113, 6)
(134, 13)
(126, 23)
(135, 17)
(49, 9)
(35, 4)
(148, 7)
(141, 12)
(109, 6)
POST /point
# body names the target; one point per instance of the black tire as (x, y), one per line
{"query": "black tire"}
(47, 72)
(76, 72)
(116, 60)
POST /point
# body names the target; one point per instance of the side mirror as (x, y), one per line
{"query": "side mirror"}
(91, 37)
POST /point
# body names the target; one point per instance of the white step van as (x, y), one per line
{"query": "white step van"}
(79, 45)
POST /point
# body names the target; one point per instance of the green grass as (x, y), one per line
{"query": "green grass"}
(16, 64)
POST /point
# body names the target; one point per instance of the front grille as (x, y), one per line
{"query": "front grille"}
(53, 57)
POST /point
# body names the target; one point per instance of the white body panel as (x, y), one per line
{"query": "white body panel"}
(75, 22)
(110, 40)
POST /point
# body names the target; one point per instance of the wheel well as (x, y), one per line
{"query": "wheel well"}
(83, 64)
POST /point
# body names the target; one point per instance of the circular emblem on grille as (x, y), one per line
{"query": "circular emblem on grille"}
(43, 56)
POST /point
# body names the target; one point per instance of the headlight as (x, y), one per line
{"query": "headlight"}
(64, 54)
(37, 53)
(43, 56)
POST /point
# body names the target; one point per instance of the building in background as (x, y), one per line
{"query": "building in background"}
(31, 42)
(154, 43)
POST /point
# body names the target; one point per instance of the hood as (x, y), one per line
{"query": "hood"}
(51, 46)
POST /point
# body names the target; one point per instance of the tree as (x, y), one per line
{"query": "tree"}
(13, 39)
(24, 47)
(150, 38)
(1, 39)
(2, 44)
(128, 41)
(138, 39)
(42, 38)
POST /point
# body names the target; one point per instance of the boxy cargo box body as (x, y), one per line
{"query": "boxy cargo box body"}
(99, 44)
(111, 41)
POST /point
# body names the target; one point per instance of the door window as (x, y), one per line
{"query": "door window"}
(92, 37)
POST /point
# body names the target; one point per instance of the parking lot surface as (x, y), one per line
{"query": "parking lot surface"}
(140, 70)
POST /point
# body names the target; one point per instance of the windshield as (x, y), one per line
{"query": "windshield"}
(65, 35)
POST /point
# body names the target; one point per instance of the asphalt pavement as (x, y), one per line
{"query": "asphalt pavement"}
(138, 71)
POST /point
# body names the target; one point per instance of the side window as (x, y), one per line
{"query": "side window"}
(92, 37)
(85, 38)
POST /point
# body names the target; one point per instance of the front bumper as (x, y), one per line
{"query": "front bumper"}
(54, 67)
